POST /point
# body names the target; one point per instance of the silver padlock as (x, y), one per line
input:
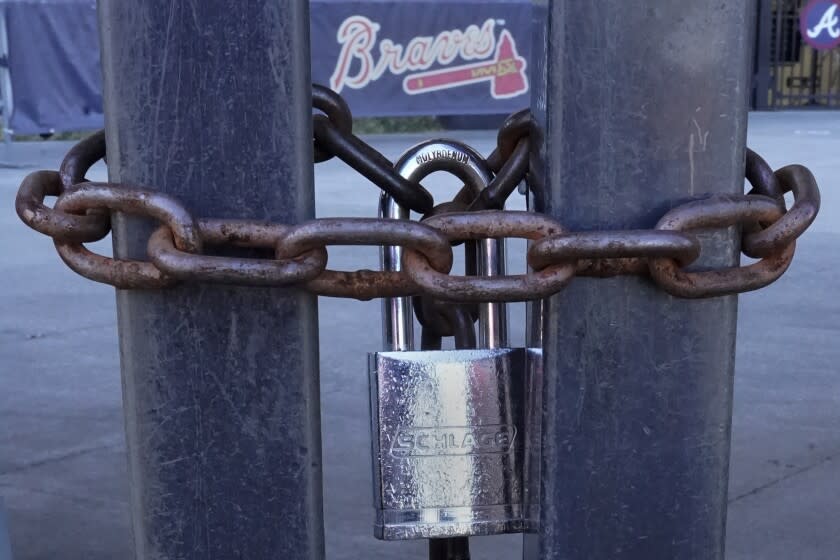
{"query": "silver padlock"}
(447, 426)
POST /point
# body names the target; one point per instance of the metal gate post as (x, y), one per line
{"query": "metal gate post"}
(211, 102)
(639, 105)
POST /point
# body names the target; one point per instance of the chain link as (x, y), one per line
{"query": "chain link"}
(131, 200)
(29, 204)
(176, 249)
(337, 113)
(334, 137)
(721, 212)
(510, 163)
(484, 225)
(81, 158)
(784, 231)
(182, 265)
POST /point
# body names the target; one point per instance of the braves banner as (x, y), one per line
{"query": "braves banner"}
(386, 57)
(423, 57)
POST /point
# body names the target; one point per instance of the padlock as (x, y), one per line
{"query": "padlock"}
(447, 426)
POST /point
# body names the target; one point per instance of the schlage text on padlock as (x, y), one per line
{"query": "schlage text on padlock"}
(458, 440)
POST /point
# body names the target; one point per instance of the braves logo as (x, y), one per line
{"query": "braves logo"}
(498, 63)
(820, 24)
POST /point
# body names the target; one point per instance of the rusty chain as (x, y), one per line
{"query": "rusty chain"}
(509, 163)
(333, 132)
(176, 250)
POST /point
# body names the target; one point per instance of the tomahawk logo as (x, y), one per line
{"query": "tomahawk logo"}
(487, 59)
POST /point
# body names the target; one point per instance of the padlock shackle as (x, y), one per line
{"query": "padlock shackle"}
(492, 318)
(416, 164)
(450, 156)
(397, 313)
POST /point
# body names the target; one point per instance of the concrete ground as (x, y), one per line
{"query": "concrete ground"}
(62, 466)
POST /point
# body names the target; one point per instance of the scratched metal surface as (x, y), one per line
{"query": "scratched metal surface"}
(220, 383)
(639, 106)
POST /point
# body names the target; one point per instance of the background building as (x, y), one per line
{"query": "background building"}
(789, 72)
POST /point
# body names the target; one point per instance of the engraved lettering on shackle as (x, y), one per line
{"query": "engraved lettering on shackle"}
(433, 155)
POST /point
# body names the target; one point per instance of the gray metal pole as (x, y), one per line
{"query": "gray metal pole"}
(639, 105)
(211, 102)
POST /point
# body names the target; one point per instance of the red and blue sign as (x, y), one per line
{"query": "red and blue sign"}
(819, 23)
(424, 57)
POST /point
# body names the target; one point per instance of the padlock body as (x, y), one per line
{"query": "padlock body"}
(448, 442)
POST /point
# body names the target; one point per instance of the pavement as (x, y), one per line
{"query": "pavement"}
(63, 472)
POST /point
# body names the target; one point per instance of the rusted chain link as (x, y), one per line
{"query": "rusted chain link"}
(761, 176)
(29, 204)
(86, 197)
(334, 137)
(721, 212)
(439, 283)
(81, 158)
(785, 230)
(510, 163)
(182, 265)
(440, 319)
(176, 250)
(337, 113)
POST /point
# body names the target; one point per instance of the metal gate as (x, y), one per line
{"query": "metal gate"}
(789, 72)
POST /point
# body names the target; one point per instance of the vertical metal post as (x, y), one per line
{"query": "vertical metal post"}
(639, 106)
(211, 102)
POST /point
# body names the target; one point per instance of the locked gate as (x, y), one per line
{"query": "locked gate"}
(790, 72)
(612, 443)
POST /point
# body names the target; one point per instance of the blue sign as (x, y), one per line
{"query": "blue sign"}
(819, 23)
(416, 57)
(386, 57)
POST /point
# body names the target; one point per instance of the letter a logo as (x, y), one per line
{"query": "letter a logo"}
(820, 24)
